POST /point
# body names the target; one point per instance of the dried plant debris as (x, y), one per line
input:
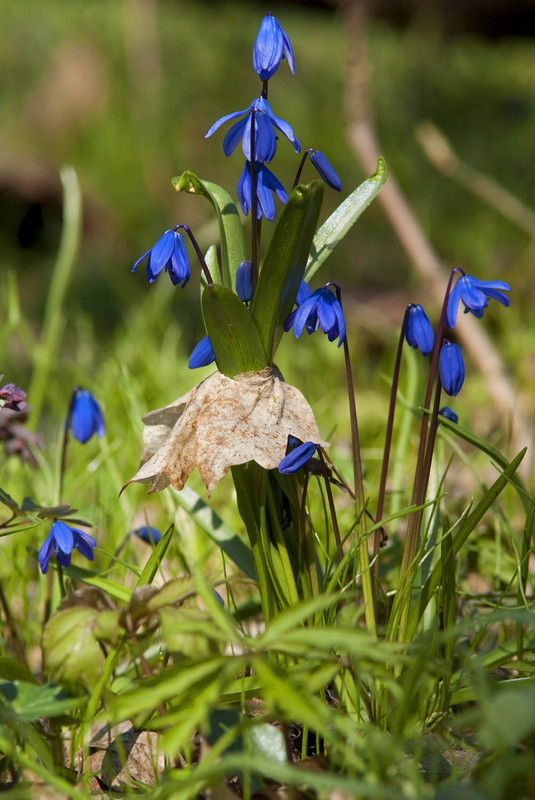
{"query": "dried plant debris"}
(223, 422)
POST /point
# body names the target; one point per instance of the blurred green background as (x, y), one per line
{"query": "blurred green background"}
(124, 90)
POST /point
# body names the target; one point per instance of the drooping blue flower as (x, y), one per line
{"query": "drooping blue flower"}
(168, 253)
(265, 140)
(148, 534)
(202, 354)
(297, 458)
(475, 295)
(270, 47)
(320, 310)
(448, 413)
(244, 281)
(312, 321)
(86, 417)
(419, 333)
(326, 170)
(451, 368)
(266, 185)
(61, 541)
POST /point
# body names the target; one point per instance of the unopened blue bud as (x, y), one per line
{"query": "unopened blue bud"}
(419, 333)
(202, 354)
(297, 458)
(325, 170)
(270, 47)
(451, 368)
(449, 414)
(244, 281)
(86, 417)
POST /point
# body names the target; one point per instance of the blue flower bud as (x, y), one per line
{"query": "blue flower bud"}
(270, 47)
(202, 354)
(325, 170)
(244, 281)
(86, 418)
(449, 414)
(451, 368)
(297, 458)
(419, 333)
(148, 534)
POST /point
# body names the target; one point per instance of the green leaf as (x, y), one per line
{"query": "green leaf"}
(212, 524)
(284, 264)
(31, 702)
(233, 335)
(230, 226)
(71, 648)
(342, 220)
(11, 670)
(459, 538)
(8, 501)
(151, 567)
(116, 590)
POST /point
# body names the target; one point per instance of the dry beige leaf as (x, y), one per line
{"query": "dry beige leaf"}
(222, 422)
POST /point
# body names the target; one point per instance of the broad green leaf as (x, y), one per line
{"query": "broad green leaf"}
(284, 264)
(342, 220)
(212, 524)
(230, 226)
(233, 335)
(71, 648)
(31, 702)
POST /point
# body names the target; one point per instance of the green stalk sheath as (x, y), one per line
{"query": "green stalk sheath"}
(47, 349)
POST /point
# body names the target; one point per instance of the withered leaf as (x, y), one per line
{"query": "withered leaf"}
(223, 422)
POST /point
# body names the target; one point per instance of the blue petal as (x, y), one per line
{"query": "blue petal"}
(84, 543)
(160, 254)
(325, 170)
(202, 354)
(297, 458)
(178, 267)
(233, 136)
(302, 314)
(63, 536)
(326, 313)
(45, 552)
(140, 260)
(221, 121)
(453, 305)
(419, 333)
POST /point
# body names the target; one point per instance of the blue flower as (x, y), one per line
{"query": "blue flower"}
(297, 458)
(451, 368)
(270, 47)
(61, 541)
(419, 332)
(265, 140)
(202, 354)
(148, 534)
(168, 253)
(448, 413)
(86, 417)
(266, 183)
(325, 170)
(475, 296)
(320, 310)
(244, 281)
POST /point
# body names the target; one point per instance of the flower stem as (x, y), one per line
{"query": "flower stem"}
(204, 265)
(360, 500)
(300, 167)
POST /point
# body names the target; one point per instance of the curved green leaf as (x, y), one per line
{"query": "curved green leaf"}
(284, 263)
(230, 226)
(232, 332)
(339, 223)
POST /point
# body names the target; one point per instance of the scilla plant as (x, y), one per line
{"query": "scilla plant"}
(341, 653)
